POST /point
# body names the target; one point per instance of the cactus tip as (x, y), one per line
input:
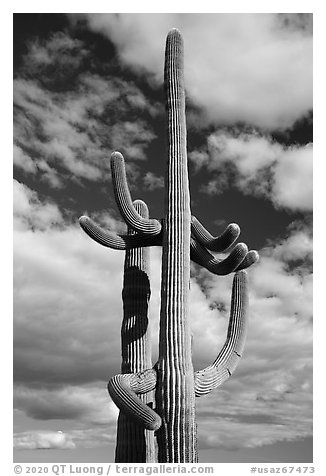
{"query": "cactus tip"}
(255, 256)
(242, 247)
(234, 227)
(139, 202)
(83, 219)
(174, 33)
(116, 155)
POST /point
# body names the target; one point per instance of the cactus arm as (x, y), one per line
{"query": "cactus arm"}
(201, 256)
(219, 243)
(227, 360)
(124, 201)
(117, 241)
(123, 389)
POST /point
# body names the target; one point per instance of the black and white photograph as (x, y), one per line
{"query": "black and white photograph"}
(162, 238)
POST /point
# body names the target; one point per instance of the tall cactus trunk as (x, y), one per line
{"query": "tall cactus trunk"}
(175, 396)
(134, 443)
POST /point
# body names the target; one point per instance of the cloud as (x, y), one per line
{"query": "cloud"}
(71, 131)
(58, 335)
(131, 138)
(42, 127)
(90, 404)
(298, 246)
(152, 181)
(293, 179)
(29, 210)
(260, 166)
(43, 440)
(23, 161)
(255, 68)
(54, 59)
(67, 294)
(232, 434)
(66, 128)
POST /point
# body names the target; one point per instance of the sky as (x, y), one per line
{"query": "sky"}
(88, 84)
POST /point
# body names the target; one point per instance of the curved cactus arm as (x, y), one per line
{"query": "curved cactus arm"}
(238, 259)
(219, 243)
(123, 389)
(124, 201)
(117, 241)
(201, 256)
(227, 360)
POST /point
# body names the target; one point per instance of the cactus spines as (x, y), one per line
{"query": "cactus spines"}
(227, 360)
(183, 238)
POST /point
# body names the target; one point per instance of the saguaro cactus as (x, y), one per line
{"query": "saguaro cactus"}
(182, 238)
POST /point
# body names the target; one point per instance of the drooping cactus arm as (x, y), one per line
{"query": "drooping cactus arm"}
(227, 360)
(117, 241)
(238, 259)
(124, 201)
(123, 389)
(219, 243)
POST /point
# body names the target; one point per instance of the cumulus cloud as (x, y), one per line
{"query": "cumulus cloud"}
(48, 264)
(23, 161)
(293, 182)
(30, 211)
(43, 440)
(298, 246)
(152, 181)
(232, 434)
(131, 138)
(55, 58)
(260, 166)
(90, 404)
(67, 132)
(61, 312)
(255, 68)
